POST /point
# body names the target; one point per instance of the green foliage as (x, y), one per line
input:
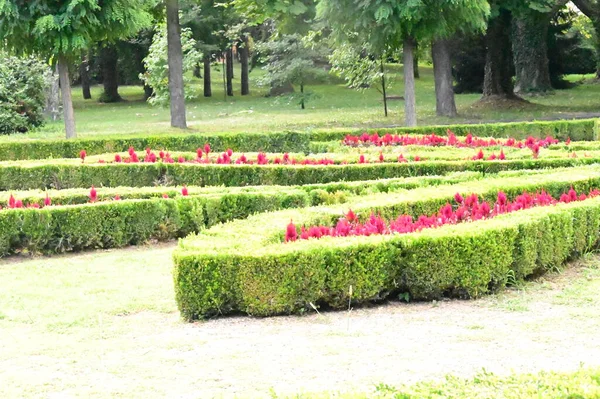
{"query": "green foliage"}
(292, 59)
(53, 28)
(244, 266)
(23, 84)
(157, 69)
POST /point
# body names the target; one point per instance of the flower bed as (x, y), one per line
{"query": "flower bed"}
(243, 266)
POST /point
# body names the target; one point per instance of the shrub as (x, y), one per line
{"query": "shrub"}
(244, 266)
(23, 84)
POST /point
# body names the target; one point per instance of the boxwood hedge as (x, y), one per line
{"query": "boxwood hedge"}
(244, 266)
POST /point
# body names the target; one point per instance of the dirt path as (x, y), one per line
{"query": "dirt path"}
(150, 352)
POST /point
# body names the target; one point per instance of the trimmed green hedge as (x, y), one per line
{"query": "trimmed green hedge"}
(61, 176)
(249, 142)
(57, 229)
(244, 266)
(577, 130)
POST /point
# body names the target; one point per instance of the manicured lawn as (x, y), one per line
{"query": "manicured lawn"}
(335, 107)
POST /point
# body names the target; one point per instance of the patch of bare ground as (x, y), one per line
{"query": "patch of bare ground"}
(133, 344)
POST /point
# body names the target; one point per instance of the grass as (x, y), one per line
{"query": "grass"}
(104, 324)
(335, 106)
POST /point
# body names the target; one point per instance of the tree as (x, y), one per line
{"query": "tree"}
(109, 59)
(361, 70)
(61, 30)
(175, 62)
(292, 59)
(84, 72)
(591, 8)
(400, 23)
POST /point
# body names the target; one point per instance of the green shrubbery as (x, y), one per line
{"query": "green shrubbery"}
(59, 175)
(244, 266)
(23, 83)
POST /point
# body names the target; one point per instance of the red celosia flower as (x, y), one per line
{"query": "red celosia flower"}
(199, 153)
(361, 159)
(229, 152)
(401, 158)
(536, 151)
(131, 151)
(458, 198)
(568, 142)
(184, 191)
(161, 154)
(351, 216)
(479, 154)
(417, 158)
(291, 234)
(82, 155)
(381, 158)
(11, 201)
(165, 195)
(18, 204)
(502, 157)
(93, 194)
(148, 149)
(117, 158)
(207, 148)
(117, 197)
(502, 198)
(181, 159)
(47, 200)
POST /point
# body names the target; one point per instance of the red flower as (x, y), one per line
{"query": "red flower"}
(199, 153)
(11, 201)
(93, 194)
(381, 158)
(117, 158)
(361, 159)
(165, 195)
(502, 198)
(458, 198)
(161, 154)
(47, 200)
(82, 155)
(184, 191)
(18, 204)
(148, 149)
(502, 157)
(117, 197)
(181, 159)
(229, 152)
(417, 158)
(207, 148)
(568, 141)
(131, 151)
(291, 234)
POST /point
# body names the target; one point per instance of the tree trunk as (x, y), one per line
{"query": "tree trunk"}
(109, 59)
(197, 73)
(243, 51)
(410, 102)
(498, 80)
(53, 98)
(148, 92)
(416, 61)
(442, 73)
(84, 70)
(207, 80)
(302, 95)
(530, 49)
(175, 55)
(383, 87)
(65, 88)
(596, 23)
(229, 70)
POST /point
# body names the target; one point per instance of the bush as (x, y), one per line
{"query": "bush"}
(62, 176)
(244, 266)
(23, 84)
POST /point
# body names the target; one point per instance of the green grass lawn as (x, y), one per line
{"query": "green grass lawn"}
(335, 106)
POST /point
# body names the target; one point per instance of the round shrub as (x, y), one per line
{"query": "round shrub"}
(23, 84)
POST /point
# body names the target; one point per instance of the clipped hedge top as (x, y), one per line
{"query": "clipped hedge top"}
(262, 234)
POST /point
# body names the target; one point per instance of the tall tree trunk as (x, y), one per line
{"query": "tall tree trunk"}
(416, 61)
(530, 49)
(109, 59)
(229, 70)
(383, 87)
(442, 73)
(197, 73)
(244, 52)
(498, 80)
(302, 96)
(53, 98)
(84, 72)
(175, 55)
(65, 88)
(410, 102)
(148, 92)
(596, 23)
(207, 80)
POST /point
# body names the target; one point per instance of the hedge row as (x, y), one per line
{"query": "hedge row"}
(318, 193)
(267, 142)
(584, 130)
(57, 229)
(577, 130)
(244, 265)
(62, 176)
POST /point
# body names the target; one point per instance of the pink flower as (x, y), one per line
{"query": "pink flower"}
(568, 142)
(82, 155)
(93, 194)
(351, 216)
(199, 153)
(291, 234)
(184, 191)
(381, 158)
(502, 198)
(458, 198)
(502, 157)
(207, 148)
(47, 200)
(165, 195)
(361, 159)
(161, 154)
(117, 158)
(229, 152)
(11, 201)
(117, 197)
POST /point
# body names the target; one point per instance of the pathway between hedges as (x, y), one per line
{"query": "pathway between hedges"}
(104, 324)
